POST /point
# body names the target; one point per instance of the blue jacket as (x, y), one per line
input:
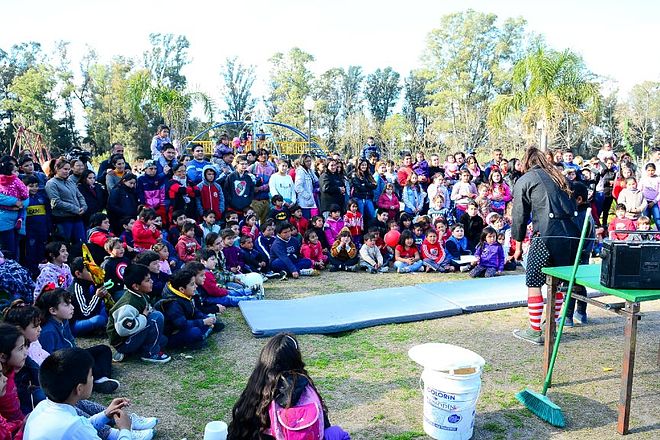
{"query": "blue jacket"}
(263, 245)
(456, 248)
(194, 170)
(286, 251)
(55, 336)
(7, 218)
(180, 313)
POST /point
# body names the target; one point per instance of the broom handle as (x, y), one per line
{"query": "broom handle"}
(567, 298)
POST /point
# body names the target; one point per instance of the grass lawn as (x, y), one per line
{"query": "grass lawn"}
(372, 388)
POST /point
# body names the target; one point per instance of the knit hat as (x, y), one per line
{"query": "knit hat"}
(149, 163)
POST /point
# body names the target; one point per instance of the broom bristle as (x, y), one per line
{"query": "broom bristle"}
(542, 406)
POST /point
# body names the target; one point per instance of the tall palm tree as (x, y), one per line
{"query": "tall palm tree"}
(546, 86)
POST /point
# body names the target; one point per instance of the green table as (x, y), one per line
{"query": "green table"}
(589, 276)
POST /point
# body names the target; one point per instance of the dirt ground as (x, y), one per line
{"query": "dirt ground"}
(372, 388)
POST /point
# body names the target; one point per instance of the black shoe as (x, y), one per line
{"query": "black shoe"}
(218, 326)
(105, 385)
(332, 268)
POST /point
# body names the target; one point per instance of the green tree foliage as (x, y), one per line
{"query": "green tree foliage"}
(329, 101)
(642, 114)
(351, 90)
(165, 59)
(290, 83)
(382, 92)
(468, 56)
(416, 97)
(548, 87)
(237, 91)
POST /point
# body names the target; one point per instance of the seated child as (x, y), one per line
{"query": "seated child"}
(406, 254)
(114, 266)
(344, 253)
(490, 255)
(620, 223)
(208, 224)
(380, 221)
(187, 245)
(56, 270)
(250, 227)
(159, 278)
(66, 377)
(227, 290)
(297, 219)
(370, 255)
(185, 326)
(434, 255)
(353, 221)
(279, 213)
(145, 232)
(418, 234)
(254, 261)
(333, 224)
(264, 242)
(89, 312)
(12, 359)
(437, 208)
(386, 252)
(126, 236)
(281, 369)
(633, 198)
(312, 250)
(473, 225)
(133, 325)
(457, 246)
(179, 219)
(56, 308)
(644, 225)
(316, 225)
(285, 254)
(233, 258)
(168, 260)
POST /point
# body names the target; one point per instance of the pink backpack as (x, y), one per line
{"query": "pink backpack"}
(301, 422)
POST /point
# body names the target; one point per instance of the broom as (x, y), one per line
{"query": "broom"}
(539, 403)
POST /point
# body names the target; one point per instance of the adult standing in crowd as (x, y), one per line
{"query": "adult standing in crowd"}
(306, 185)
(68, 205)
(262, 169)
(544, 195)
(363, 185)
(166, 163)
(123, 202)
(196, 166)
(116, 148)
(116, 171)
(96, 197)
(331, 186)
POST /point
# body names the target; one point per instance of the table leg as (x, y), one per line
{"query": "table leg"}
(630, 334)
(550, 325)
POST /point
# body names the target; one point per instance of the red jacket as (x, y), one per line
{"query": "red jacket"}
(143, 237)
(313, 252)
(354, 223)
(186, 248)
(433, 252)
(211, 197)
(300, 223)
(211, 286)
(389, 203)
(11, 417)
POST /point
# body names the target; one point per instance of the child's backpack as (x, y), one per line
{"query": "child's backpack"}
(301, 422)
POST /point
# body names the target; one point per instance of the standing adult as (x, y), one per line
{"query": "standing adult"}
(166, 163)
(161, 137)
(542, 194)
(262, 169)
(363, 184)
(196, 165)
(68, 205)
(94, 194)
(331, 186)
(116, 148)
(306, 185)
(477, 176)
(116, 171)
(123, 202)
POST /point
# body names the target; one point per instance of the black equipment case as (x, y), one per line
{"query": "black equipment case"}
(630, 265)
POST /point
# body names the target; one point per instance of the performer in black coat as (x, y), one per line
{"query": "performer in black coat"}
(543, 194)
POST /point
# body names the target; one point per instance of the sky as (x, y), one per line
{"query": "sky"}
(615, 38)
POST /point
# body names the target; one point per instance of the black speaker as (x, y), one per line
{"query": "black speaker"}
(630, 265)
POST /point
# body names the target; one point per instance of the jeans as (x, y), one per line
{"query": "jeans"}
(366, 207)
(149, 341)
(190, 337)
(438, 267)
(87, 326)
(9, 243)
(102, 361)
(72, 231)
(237, 293)
(87, 408)
(302, 263)
(581, 305)
(654, 213)
(411, 267)
(343, 263)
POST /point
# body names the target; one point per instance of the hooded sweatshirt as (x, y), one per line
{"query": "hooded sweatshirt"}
(52, 273)
(151, 190)
(210, 194)
(332, 228)
(179, 311)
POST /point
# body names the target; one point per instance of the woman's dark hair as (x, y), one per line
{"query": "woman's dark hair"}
(96, 219)
(53, 250)
(116, 158)
(280, 356)
(536, 158)
(9, 334)
(180, 279)
(63, 371)
(364, 175)
(487, 230)
(22, 314)
(210, 238)
(404, 217)
(128, 177)
(48, 299)
(308, 233)
(84, 175)
(405, 234)
(6, 167)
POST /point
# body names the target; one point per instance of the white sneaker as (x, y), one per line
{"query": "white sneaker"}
(139, 423)
(145, 434)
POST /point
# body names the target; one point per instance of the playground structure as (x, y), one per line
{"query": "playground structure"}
(30, 140)
(261, 138)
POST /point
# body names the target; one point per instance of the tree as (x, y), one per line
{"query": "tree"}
(468, 57)
(237, 90)
(329, 101)
(351, 89)
(290, 83)
(394, 131)
(416, 97)
(166, 58)
(546, 87)
(66, 135)
(382, 92)
(642, 113)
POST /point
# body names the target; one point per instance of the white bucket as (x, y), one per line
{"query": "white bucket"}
(452, 383)
(215, 431)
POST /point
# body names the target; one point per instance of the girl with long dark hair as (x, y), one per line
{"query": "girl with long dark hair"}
(363, 184)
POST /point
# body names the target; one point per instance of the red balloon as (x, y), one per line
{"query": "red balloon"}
(392, 238)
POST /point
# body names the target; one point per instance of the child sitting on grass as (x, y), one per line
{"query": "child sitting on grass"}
(145, 232)
(56, 308)
(316, 225)
(285, 254)
(434, 255)
(114, 266)
(233, 259)
(279, 213)
(185, 326)
(344, 253)
(490, 255)
(187, 245)
(56, 270)
(253, 260)
(406, 254)
(473, 225)
(66, 377)
(312, 250)
(89, 312)
(457, 246)
(227, 289)
(370, 255)
(333, 224)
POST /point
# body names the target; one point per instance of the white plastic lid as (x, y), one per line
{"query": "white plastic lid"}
(445, 357)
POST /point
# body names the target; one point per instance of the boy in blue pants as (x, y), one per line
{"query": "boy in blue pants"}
(285, 253)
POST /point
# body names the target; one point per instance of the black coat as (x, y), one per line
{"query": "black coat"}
(363, 188)
(552, 212)
(329, 185)
(95, 198)
(123, 202)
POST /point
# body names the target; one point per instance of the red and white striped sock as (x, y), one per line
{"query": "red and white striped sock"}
(559, 301)
(535, 309)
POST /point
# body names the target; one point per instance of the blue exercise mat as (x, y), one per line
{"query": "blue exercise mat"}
(339, 312)
(482, 294)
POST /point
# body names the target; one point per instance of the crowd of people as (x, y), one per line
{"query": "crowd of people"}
(181, 236)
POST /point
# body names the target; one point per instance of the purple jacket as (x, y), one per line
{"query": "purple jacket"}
(490, 255)
(234, 258)
(332, 229)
